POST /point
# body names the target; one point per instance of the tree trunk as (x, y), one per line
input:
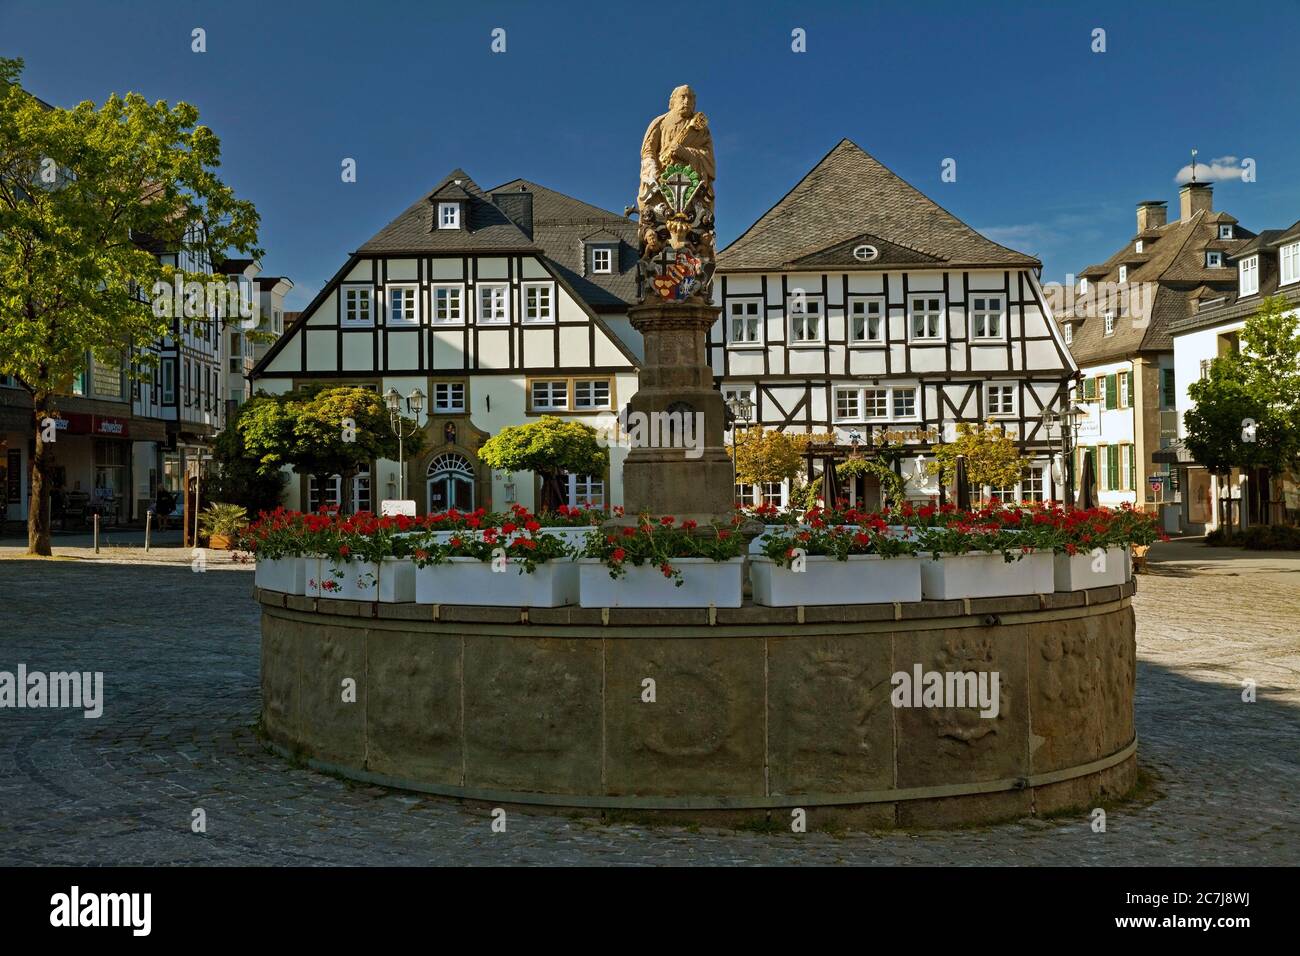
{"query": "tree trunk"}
(38, 512)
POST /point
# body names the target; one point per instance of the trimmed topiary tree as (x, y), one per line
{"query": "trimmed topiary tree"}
(550, 448)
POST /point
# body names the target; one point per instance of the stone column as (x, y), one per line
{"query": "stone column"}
(660, 475)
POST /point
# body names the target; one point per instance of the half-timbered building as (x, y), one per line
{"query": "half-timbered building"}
(858, 308)
(501, 306)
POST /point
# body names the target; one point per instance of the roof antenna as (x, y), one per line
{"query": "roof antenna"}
(1193, 164)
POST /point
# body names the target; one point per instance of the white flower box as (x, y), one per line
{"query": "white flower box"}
(1080, 571)
(281, 574)
(769, 531)
(862, 579)
(706, 582)
(311, 575)
(396, 581)
(471, 581)
(979, 575)
(357, 580)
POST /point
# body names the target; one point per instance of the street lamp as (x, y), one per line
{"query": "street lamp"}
(1068, 419)
(414, 404)
(742, 409)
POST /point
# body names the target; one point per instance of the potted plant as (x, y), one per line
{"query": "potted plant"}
(1096, 547)
(221, 523)
(513, 565)
(974, 556)
(658, 563)
(572, 524)
(368, 558)
(276, 542)
(836, 565)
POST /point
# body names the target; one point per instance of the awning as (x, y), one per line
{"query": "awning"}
(1175, 454)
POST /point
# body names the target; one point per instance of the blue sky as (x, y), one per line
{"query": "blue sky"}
(1054, 143)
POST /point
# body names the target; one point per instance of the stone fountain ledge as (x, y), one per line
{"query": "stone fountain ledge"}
(753, 717)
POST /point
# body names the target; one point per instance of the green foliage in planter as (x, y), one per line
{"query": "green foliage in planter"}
(659, 543)
(836, 542)
(222, 518)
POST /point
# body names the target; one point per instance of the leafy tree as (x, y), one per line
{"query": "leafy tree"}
(549, 447)
(991, 456)
(323, 431)
(241, 478)
(764, 455)
(1259, 385)
(892, 485)
(82, 193)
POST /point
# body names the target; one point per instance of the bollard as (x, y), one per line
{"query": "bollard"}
(148, 523)
(97, 534)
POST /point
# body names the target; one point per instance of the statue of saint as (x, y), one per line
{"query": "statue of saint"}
(675, 203)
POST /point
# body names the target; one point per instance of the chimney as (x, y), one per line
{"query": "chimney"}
(1193, 198)
(1151, 214)
(519, 207)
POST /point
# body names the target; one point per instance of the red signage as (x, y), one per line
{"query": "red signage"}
(79, 423)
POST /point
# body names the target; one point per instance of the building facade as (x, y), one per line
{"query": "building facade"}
(858, 308)
(500, 306)
(1267, 264)
(1118, 326)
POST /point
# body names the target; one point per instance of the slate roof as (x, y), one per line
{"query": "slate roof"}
(560, 226)
(850, 194)
(486, 228)
(1173, 264)
(1234, 305)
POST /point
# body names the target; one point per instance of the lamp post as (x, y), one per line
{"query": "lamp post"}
(741, 410)
(1068, 421)
(414, 404)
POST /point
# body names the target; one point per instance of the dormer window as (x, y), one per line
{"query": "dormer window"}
(1110, 323)
(1083, 285)
(1225, 231)
(1123, 273)
(1289, 258)
(448, 215)
(602, 260)
(1137, 246)
(1068, 329)
(1248, 275)
(1213, 260)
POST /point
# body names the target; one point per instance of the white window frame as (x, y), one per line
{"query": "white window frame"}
(882, 327)
(1225, 230)
(941, 316)
(891, 397)
(1248, 275)
(1083, 284)
(976, 313)
(168, 382)
(813, 307)
(1288, 258)
(1001, 412)
(488, 314)
(581, 489)
(609, 395)
(388, 305)
(549, 289)
(1067, 330)
(1034, 473)
(1123, 273)
(459, 290)
(1110, 323)
(550, 404)
(448, 406)
(758, 319)
(352, 310)
(1213, 259)
(1137, 246)
(448, 215)
(597, 252)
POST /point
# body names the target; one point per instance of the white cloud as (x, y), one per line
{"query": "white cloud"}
(1223, 168)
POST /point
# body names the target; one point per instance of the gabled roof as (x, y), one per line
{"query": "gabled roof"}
(485, 229)
(561, 224)
(1234, 304)
(1175, 267)
(848, 194)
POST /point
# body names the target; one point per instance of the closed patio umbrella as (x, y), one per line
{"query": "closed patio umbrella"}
(830, 486)
(963, 485)
(1087, 485)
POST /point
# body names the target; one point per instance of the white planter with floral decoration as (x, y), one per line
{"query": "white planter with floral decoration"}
(979, 575)
(396, 581)
(471, 581)
(1092, 569)
(288, 575)
(705, 583)
(861, 579)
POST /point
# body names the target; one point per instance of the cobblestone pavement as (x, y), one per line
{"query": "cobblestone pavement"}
(179, 652)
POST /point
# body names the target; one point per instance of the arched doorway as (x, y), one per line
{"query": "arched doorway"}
(449, 484)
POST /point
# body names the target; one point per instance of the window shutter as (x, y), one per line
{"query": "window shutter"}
(1112, 467)
(1130, 389)
(1168, 381)
(1112, 391)
(1132, 467)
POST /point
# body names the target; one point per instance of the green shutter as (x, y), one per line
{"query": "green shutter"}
(1132, 467)
(1168, 382)
(1112, 391)
(1130, 389)
(1112, 467)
